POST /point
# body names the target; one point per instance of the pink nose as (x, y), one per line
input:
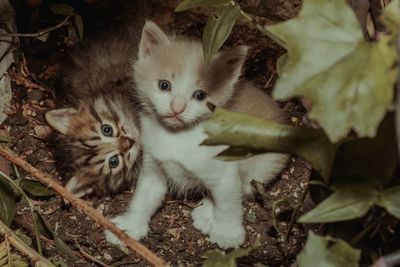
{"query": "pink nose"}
(178, 105)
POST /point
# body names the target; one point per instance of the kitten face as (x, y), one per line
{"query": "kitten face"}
(98, 143)
(174, 81)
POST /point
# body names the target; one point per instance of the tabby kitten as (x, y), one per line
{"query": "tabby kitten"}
(96, 141)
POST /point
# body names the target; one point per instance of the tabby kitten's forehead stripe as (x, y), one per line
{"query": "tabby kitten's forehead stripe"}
(96, 141)
(98, 159)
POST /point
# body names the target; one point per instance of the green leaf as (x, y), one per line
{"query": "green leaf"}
(62, 9)
(217, 258)
(79, 26)
(248, 135)
(4, 139)
(219, 26)
(391, 16)
(187, 4)
(390, 200)
(7, 202)
(328, 252)
(330, 62)
(45, 231)
(36, 189)
(347, 203)
(280, 63)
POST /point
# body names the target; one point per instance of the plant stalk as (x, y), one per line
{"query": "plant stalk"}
(31, 207)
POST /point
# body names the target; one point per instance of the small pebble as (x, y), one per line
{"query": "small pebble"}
(107, 257)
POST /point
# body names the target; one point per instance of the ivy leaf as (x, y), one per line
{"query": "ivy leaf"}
(248, 135)
(330, 62)
(7, 202)
(187, 4)
(219, 26)
(390, 199)
(328, 252)
(217, 258)
(36, 189)
(45, 231)
(347, 203)
(391, 16)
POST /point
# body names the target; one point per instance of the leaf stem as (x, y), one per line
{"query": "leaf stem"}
(31, 207)
(39, 33)
(296, 211)
(250, 19)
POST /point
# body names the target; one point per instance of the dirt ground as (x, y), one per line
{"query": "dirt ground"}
(172, 235)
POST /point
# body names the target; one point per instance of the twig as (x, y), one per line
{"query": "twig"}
(274, 218)
(250, 19)
(26, 226)
(367, 229)
(81, 205)
(37, 34)
(90, 257)
(22, 247)
(296, 212)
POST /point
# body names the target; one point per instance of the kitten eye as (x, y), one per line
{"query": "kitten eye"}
(106, 130)
(164, 85)
(113, 162)
(199, 95)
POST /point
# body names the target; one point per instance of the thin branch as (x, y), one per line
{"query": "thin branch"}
(90, 257)
(22, 247)
(296, 212)
(250, 19)
(37, 34)
(80, 204)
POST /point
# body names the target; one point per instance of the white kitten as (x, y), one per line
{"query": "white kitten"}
(174, 83)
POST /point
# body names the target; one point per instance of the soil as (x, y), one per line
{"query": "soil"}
(172, 235)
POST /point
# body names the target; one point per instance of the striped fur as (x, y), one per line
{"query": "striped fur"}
(96, 90)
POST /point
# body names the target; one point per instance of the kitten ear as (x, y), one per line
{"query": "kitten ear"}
(152, 37)
(229, 63)
(60, 119)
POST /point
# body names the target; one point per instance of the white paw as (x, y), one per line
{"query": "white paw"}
(228, 235)
(135, 230)
(203, 216)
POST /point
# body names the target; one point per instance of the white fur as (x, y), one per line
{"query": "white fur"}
(184, 162)
(172, 154)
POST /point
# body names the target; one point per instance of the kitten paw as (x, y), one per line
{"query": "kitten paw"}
(228, 235)
(203, 216)
(135, 230)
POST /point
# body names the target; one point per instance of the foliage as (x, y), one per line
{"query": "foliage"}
(23, 186)
(351, 84)
(8, 259)
(7, 202)
(217, 258)
(326, 37)
(248, 135)
(328, 252)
